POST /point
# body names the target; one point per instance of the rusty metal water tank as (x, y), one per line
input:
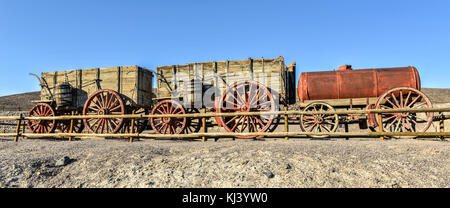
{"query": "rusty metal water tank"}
(359, 83)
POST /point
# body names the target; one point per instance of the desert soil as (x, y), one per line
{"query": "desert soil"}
(226, 163)
(242, 163)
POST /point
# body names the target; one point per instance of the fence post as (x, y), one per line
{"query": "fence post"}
(204, 125)
(24, 126)
(380, 125)
(346, 130)
(132, 127)
(71, 127)
(441, 124)
(19, 123)
(286, 124)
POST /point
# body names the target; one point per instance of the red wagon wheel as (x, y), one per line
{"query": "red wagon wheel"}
(104, 102)
(193, 125)
(42, 126)
(63, 126)
(404, 97)
(139, 124)
(247, 96)
(319, 123)
(168, 125)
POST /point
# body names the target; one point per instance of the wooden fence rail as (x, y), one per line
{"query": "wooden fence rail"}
(286, 134)
(206, 115)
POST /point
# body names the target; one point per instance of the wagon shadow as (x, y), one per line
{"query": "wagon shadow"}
(52, 139)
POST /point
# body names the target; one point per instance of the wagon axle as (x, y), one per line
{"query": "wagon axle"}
(104, 111)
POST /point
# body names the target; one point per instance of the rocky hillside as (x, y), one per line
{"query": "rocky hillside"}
(18, 102)
(437, 95)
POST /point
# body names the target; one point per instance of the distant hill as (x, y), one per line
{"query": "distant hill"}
(19, 102)
(437, 95)
(22, 102)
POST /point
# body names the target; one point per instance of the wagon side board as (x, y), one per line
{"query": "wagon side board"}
(196, 78)
(132, 82)
(343, 102)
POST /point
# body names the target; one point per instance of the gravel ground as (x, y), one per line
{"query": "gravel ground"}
(240, 163)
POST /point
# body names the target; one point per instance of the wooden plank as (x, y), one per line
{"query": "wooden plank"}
(342, 102)
(232, 71)
(124, 80)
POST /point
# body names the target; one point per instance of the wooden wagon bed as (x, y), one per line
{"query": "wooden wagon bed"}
(272, 73)
(133, 83)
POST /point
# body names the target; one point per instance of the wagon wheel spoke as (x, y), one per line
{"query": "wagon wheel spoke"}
(260, 122)
(416, 119)
(238, 101)
(236, 124)
(314, 127)
(407, 99)
(232, 103)
(193, 125)
(389, 118)
(263, 98)
(397, 125)
(255, 98)
(239, 96)
(242, 124)
(421, 105)
(263, 104)
(403, 125)
(308, 123)
(326, 128)
(395, 100)
(231, 120)
(232, 109)
(64, 125)
(327, 122)
(401, 100)
(413, 101)
(139, 125)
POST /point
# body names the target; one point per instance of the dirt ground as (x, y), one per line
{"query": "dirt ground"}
(300, 162)
(226, 163)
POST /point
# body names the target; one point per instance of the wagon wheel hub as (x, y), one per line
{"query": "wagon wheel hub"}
(319, 119)
(402, 115)
(167, 120)
(104, 111)
(245, 108)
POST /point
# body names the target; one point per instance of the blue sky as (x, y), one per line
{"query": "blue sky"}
(49, 35)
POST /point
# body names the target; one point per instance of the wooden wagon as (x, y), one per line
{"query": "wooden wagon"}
(98, 91)
(250, 85)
